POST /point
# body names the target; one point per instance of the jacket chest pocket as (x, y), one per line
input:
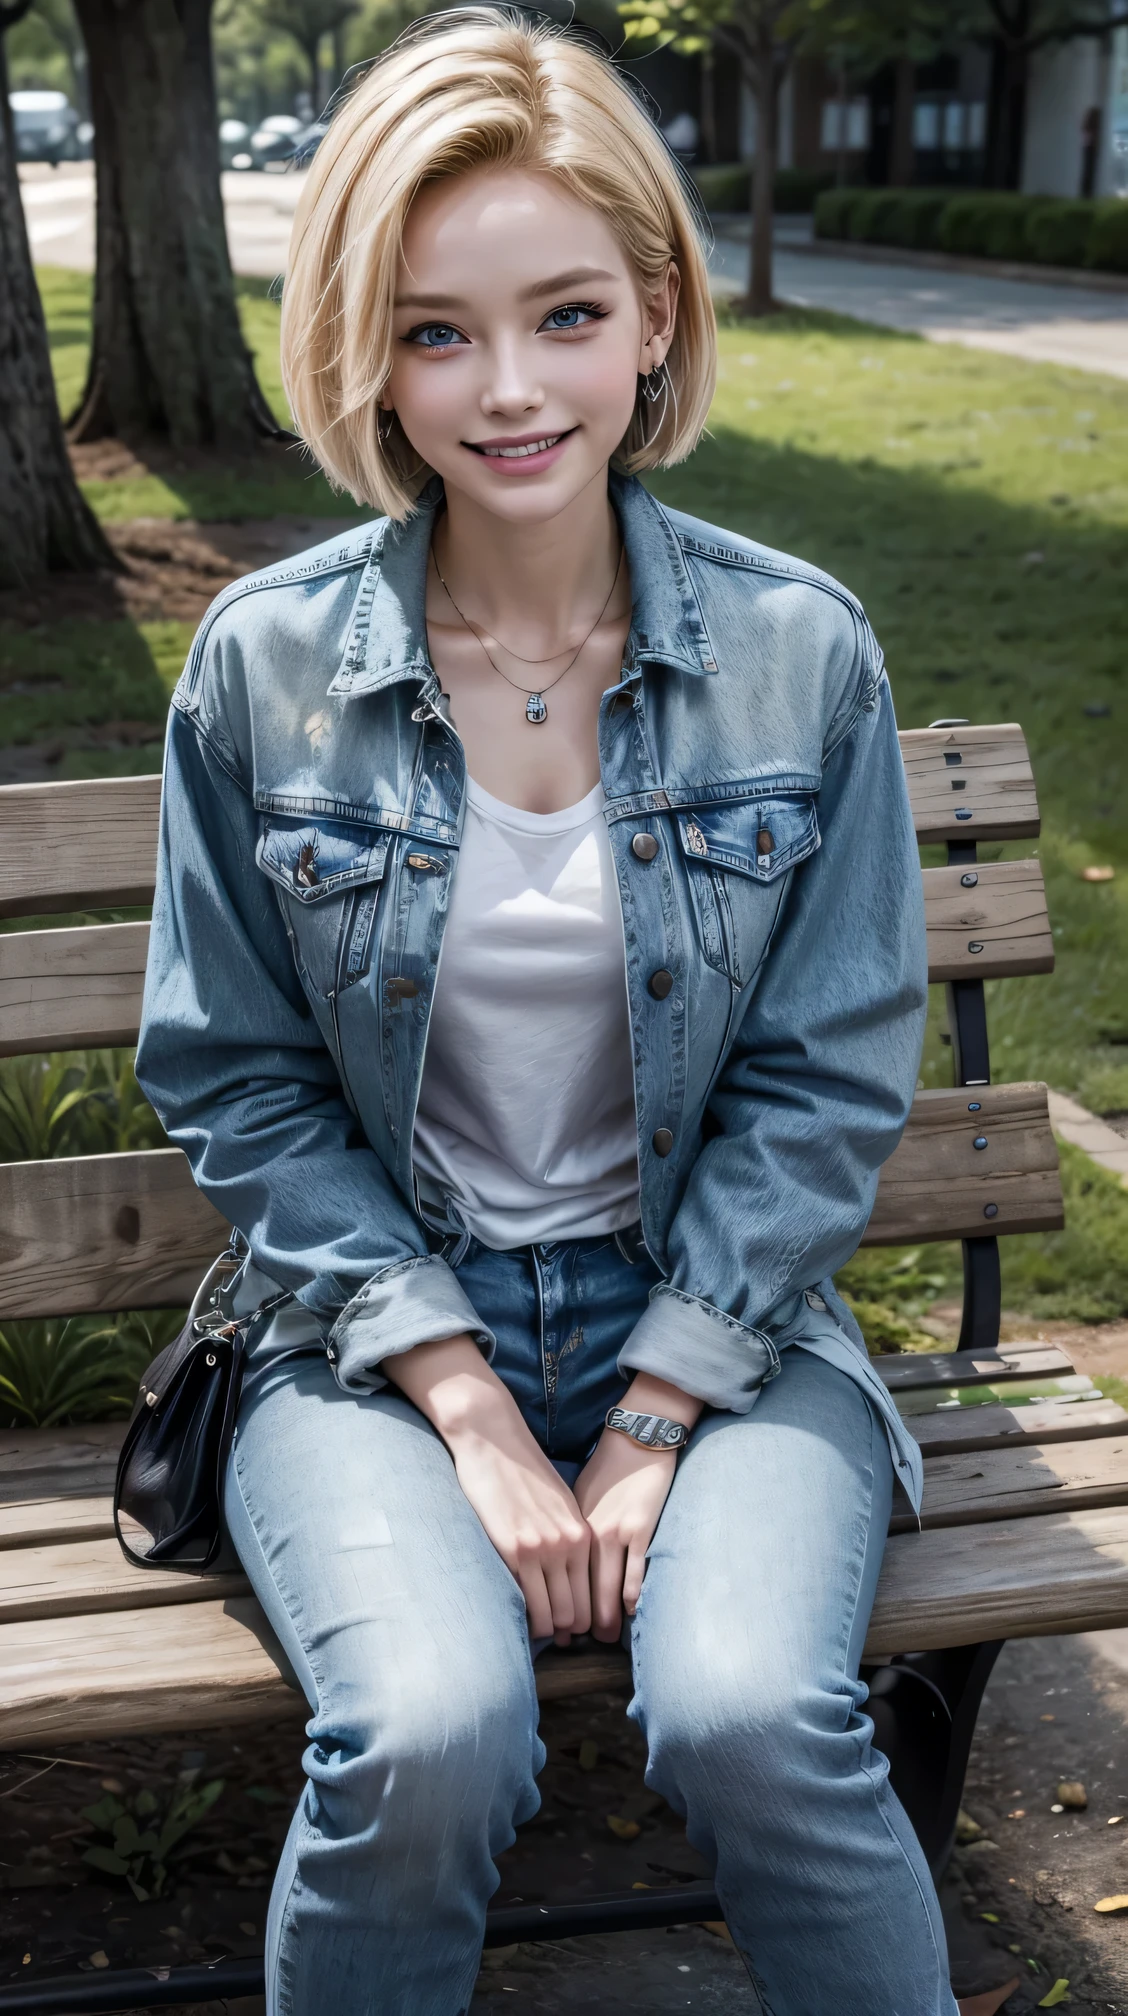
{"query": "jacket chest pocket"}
(738, 855)
(327, 879)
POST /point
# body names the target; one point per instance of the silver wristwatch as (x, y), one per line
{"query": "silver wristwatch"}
(653, 1431)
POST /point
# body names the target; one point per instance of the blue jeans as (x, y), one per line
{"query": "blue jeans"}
(409, 1637)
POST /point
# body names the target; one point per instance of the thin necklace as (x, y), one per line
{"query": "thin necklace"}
(536, 709)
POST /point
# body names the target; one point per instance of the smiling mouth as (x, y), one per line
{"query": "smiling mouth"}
(515, 450)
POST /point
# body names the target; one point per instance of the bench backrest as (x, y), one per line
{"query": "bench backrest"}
(112, 1232)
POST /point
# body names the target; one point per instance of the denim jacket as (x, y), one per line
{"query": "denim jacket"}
(313, 804)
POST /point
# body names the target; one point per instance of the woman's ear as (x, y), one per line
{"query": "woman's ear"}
(659, 319)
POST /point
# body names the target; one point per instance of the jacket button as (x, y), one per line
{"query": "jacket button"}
(644, 846)
(662, 1141)
(660, 983)
(765, 840)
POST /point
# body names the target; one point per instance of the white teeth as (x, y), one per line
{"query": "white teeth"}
(530, 448)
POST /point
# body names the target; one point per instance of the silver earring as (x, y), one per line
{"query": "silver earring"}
(385, 421)
(654, 385)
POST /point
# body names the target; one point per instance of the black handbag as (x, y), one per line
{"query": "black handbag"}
(171, 1467)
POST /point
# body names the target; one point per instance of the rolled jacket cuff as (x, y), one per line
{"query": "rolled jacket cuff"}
(697, 1347)
(415, 1301)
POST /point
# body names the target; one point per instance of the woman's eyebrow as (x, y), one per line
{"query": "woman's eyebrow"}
(559, 283)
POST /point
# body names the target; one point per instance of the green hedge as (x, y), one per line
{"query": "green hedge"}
(979, 223)
(1108, 238)
(729, 187)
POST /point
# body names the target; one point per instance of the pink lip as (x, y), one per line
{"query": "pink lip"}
(519, 465)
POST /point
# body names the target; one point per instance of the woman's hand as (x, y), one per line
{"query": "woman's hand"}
(621, 1492)
(527, 1510)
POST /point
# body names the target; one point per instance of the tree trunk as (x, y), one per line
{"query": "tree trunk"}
(168, 357)
(760, 300)
(44, 522)
(708, 105)
(1007, 114)
(311, 50)
(901, 139)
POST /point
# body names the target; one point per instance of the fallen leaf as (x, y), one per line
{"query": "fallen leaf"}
(27, 1960)
(991, 1917)
(99, 1959)
(1058, 1994)
(1115, 1820)
(589, 1754)
(1072, 1793)
(1097, 874)
(625, 1830)
(986, 2005)
(1112, 1904)
(718, 1927)
(640, 1886)
(967, 1829)
(111, 1784)
(1018, 1814)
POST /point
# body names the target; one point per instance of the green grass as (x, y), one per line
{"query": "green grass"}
(979, 507)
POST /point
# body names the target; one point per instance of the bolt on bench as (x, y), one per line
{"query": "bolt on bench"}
(1024, 1529)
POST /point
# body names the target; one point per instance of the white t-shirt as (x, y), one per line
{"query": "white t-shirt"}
(526, 1111)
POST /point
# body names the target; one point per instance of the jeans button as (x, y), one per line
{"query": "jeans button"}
(660, 983)
(662, 1141)
(644, 846)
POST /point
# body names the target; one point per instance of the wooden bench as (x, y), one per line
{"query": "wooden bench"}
(1025, 1522)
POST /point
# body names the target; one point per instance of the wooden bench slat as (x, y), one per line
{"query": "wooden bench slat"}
(51, 1462)
(80, 1578)
(60, 1555)
(975, 1486)
(210, 1662)
(101, 1232)
(46, 1522)
(946, 1430)
(71, 990)
(970, 783)
(79, 988)
(938, 1185)
(77, 846)
(186, 1666)
(131, 1231)
(999, 926)
(93, 843)
(201, 1664)
(1005, 1578)
(903, 1372)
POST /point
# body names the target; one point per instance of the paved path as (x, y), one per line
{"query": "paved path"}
(1058, 325)
(1044, 323)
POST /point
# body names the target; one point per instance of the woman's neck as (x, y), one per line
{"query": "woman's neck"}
(530, 583)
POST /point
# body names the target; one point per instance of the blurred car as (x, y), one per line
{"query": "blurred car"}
(272, 144)
(233, 138)
(45, 124)
(307, 142)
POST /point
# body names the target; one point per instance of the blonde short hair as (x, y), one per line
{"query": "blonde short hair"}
(461, 90)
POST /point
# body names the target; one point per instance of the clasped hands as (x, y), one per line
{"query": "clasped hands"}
(578, 1555)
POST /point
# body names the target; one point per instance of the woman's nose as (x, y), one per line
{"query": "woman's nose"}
(513, 385)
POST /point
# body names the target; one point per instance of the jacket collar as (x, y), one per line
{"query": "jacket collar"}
(388, 639)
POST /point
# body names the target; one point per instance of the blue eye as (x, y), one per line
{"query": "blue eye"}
(572, 316)
(435, 336)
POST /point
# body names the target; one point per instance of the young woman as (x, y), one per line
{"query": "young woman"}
(537, 982)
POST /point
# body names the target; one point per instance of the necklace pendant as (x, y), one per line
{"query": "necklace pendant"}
(535, 708)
